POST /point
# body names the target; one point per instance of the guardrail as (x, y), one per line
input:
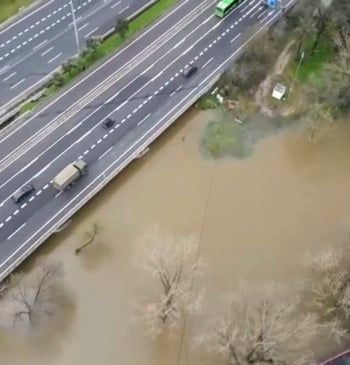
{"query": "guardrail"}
(15, 106)
(107, 177)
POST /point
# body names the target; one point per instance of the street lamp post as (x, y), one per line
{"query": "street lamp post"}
(75, 26)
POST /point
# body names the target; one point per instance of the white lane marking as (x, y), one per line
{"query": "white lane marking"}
(71, 130)
(16, 212)
(16, 231)
(86, 152)
(99, 141)
(42, 170)
(105, 153)
(45, 187)
(124, 9)
(158, 74)
(54, 58)
(87, 35)
(82, 137)
(58, 194)
(207, 63)
(235, 37)
(1, 225)
(176, 90)
(40, 44)
(143, 34)
(83, 26)
(40, 191)
(8, 77)
(31, 198)
(17, 83)
(93, 146)
(47, 51)
(2, 70)
(143, 119)
(116, 4)
(8, 218)
(121, 105)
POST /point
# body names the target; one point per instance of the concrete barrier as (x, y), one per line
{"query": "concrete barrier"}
(15, 106)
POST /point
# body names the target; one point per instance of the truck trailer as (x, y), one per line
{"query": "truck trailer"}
(69, 175)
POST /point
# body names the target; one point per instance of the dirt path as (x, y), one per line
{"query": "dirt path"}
(264, 89)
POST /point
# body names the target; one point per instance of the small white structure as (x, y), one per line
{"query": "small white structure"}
(279, 91)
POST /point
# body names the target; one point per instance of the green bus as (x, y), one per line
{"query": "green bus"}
(225, 6)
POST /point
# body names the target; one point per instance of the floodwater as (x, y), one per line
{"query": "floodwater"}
(255, 217)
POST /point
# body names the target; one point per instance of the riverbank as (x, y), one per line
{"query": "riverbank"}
(256, 217)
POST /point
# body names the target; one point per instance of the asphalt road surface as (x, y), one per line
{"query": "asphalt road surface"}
(144, 98)
(37, 43)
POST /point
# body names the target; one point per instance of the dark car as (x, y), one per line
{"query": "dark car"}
(108, 123)
(188, 72)
(23, 193)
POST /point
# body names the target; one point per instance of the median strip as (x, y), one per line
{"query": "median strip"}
(97, 50)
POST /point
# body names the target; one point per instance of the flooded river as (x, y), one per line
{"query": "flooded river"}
(256, 218)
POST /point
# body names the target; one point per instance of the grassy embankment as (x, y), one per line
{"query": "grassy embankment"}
(105, 48)
(224, 137)
(9, 8)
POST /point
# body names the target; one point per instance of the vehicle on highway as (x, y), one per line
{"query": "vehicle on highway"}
(226, 6)
(69, 175)
(188, 72)
(108, 123)
(23, 193)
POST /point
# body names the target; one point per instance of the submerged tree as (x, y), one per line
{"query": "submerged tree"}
(91, 234)
(259, 325)
(38, 296)
(328, 290)
(174, 263)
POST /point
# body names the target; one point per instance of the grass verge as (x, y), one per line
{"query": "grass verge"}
(207, 102)
(111, 44)
(225, 138)
(9, 8)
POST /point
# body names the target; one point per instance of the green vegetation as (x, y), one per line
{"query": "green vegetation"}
(9, 8)
(313, 63)
(207, 101)
(225, 138)
(96, 50)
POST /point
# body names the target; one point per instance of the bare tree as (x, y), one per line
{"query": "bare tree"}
(37, 296)
(328, 289)
(174, 263)
(90, 236)
(260, 326)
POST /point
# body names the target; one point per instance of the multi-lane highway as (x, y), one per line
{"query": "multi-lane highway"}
(142, 88)
(37, 43)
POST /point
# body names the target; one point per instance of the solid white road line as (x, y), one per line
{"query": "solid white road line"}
(207, 63)
(17, 83)
(16, 231)
(111, 98)
(124, 9)
(54, 58)
(83, 26)
(8, 77)
(105, 153)
(40, 44)
(235, 37)
(116, 4)
(47, 51)
(87, 35)
(142, 35)
(143, 119)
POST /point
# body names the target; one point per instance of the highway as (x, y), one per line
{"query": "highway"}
(144, 96)
(35, 45)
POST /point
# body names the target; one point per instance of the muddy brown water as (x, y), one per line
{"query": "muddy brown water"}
(256, 218)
